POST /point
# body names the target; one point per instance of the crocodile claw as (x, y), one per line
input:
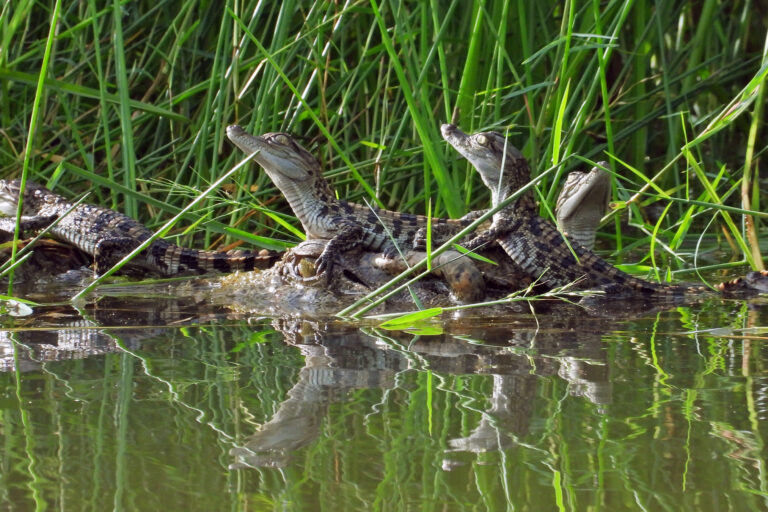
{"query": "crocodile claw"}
(754, 282)
(325, 265)
(420, 240)
(390, 252)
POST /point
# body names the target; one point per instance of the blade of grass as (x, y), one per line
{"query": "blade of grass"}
(309, 110)
(39, 93)
(749, 184)
(735, 231)
(86, 92)
(126, 126)
(446, 187)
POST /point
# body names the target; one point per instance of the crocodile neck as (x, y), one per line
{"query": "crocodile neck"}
(311, 200)
(296, 173)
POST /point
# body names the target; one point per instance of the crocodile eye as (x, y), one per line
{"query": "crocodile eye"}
(281, 139)
(482, 140)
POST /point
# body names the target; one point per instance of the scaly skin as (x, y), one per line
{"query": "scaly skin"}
(582, 203)
(345, 225)
(109, 236)
(534, 243)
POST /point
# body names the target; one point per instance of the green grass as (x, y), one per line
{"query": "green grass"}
(137, 95)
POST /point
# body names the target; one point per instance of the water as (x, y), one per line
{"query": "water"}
(167, 404)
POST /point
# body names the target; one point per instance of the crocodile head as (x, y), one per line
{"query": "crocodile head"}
(35, 196)
(288, 164)
(583, 202)
(579, 186)
(501, 166)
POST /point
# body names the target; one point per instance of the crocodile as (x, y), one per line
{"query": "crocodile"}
(108, 236)
(345, 225)
(535, 244)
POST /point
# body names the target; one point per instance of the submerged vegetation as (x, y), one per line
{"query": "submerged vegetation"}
(133, 100)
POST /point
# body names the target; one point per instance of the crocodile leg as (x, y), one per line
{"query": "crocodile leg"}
(348, 236)
(441, 233)
(459, 272)
(108, 251)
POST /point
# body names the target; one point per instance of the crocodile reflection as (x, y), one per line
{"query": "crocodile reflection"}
(341, 358)
(114, 324)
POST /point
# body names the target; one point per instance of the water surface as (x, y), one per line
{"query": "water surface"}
(164, 404)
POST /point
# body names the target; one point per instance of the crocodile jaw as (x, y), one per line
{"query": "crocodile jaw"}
(276, 153)
(490, 172)
(9, 197)
(491, 155)
(592, 189)
(582, 203)
(8, 202)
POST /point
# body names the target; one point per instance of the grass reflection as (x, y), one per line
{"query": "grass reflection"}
(320, 415)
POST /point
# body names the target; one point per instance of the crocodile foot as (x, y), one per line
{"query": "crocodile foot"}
(297, 266)
(326, 266)
(752, 283)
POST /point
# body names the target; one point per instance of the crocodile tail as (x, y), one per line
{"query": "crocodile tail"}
(173, 260)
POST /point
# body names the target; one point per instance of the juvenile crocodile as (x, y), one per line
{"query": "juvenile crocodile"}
(533, 242)
(109, 236)
(345, 225)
